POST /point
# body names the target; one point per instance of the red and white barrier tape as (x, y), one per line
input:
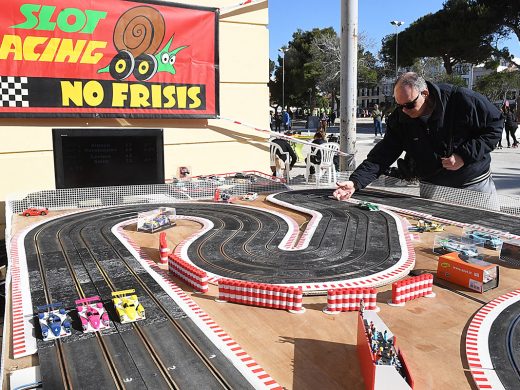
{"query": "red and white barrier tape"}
(275, 134)
(242, 3)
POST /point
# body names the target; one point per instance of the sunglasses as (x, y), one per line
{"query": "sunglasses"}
(409, 105)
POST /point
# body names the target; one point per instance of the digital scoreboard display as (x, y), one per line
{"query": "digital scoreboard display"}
(107, 157)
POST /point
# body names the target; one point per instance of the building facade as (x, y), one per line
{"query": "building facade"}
(204, 145)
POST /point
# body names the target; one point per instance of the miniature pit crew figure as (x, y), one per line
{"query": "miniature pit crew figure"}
(362, 307)
(447, 132)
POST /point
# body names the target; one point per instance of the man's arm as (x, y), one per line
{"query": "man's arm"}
(380, 157)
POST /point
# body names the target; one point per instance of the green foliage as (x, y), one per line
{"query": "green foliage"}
(454, 79)
(272, 66)
(496, 85)
(300, 73)
(312, 65)
(504, 14)
(457, 33)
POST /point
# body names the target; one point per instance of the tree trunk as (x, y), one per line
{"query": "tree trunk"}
(447, 64)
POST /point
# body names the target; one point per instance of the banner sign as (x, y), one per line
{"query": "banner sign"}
(99, 58)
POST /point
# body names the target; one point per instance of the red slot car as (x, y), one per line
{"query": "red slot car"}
(31, 211)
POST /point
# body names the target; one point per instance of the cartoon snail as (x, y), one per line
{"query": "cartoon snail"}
(137, 36)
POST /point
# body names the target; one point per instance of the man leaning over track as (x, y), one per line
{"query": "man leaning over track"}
(447, 132)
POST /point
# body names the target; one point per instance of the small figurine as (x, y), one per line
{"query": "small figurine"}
(362, 307)
(385, 336)
(392, 357)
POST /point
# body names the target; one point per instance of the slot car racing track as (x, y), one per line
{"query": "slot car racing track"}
(78, 256)
(244, 243)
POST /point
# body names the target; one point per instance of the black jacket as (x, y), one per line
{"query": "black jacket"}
(511, 123)
(286, 147)
(463, 122)
(316, 158)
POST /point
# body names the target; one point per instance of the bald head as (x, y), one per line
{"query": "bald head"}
(411, 94)
(411, 80)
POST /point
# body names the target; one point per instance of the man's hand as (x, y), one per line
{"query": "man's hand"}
(453, 162)
(344, 191)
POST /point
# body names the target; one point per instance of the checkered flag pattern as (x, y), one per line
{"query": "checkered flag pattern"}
(14, 91)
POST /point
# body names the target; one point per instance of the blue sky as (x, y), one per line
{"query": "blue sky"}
(286, 16)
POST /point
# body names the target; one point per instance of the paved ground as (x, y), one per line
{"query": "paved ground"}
(505, 164)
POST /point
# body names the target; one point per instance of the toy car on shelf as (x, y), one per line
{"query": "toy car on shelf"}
(490, 241)
(92, 314)
(368, 206)
(250, 196)
(32, 211)
(449, 245)
(54, 321)
(127, 306)
(426, 226)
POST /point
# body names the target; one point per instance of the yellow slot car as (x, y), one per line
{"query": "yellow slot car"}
(127, 306)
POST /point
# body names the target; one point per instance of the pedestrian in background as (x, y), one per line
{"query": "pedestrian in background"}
(377, 116)
(510, 125)
(323, 121)
(286, 119)
(332, 118)
(277, 122)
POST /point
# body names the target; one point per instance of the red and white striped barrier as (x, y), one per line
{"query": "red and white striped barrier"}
(163, 248)
(223, 10)
(349, 299)
(411, 288)
(275, 134)
(260, 294)
(191, 275)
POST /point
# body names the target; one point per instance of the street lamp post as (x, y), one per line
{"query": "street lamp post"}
(283, 50)
(397, 24)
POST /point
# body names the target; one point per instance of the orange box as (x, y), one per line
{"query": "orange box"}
(474, 274)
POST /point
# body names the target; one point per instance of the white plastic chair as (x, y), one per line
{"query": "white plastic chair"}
(326, 164)
(276, 151)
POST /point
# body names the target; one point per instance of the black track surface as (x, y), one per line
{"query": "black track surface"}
(81, 238)
(348, 243)
(490, 219)
(504, 346)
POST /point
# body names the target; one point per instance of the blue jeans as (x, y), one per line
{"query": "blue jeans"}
(378, 127)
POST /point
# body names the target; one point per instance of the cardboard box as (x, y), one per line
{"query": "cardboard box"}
(475, 274)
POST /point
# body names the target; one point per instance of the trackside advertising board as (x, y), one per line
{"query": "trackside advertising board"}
(99, 58)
